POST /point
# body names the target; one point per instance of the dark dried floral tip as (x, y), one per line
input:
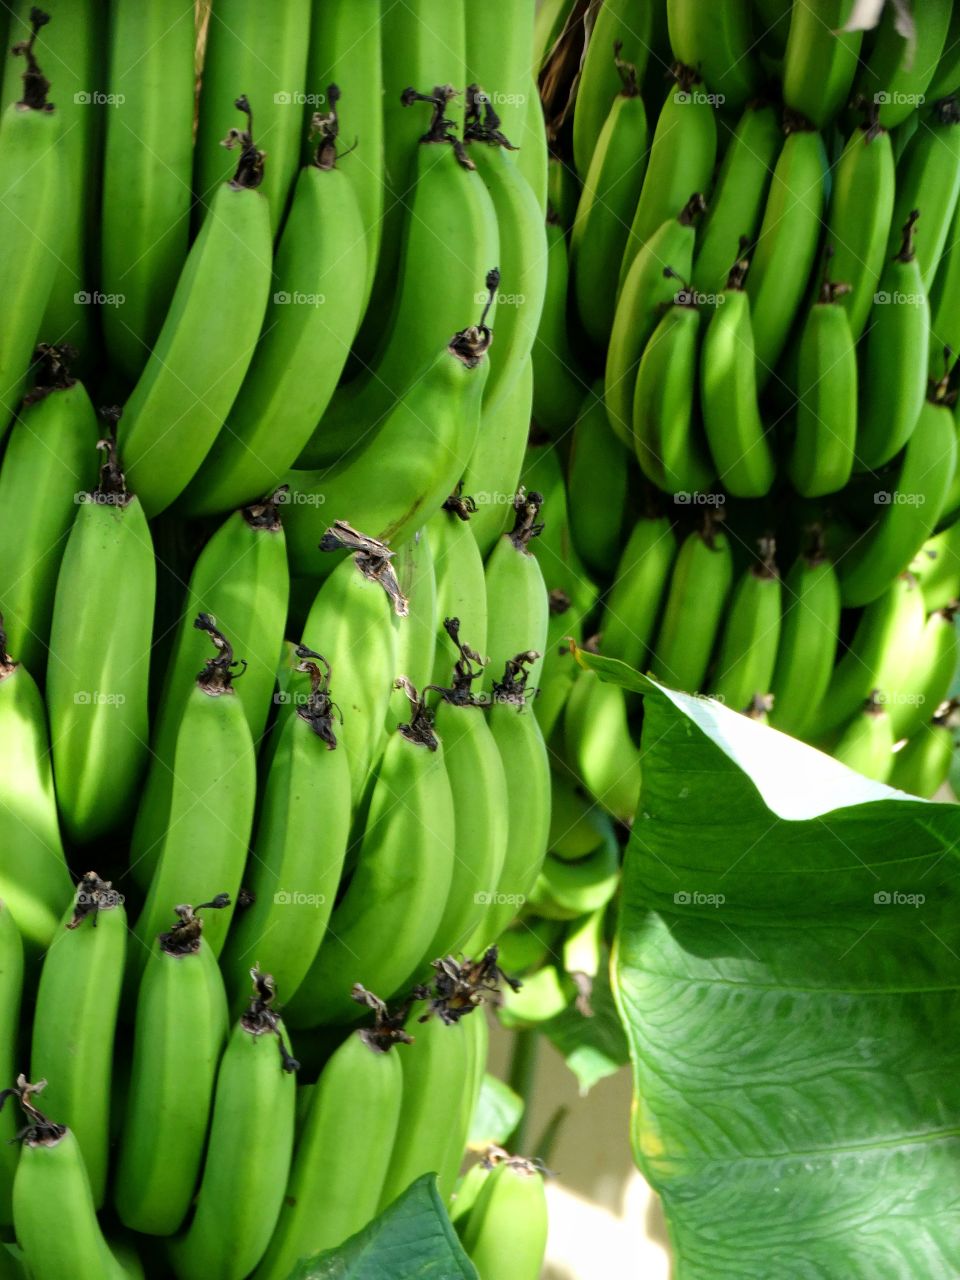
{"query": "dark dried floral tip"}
(220, 671)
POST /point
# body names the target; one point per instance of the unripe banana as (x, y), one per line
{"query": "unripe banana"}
(383, 924)
(197, 364)
(34, 880)
(629, 23)
(97, 688)
(297, 856)
(517, 605)
(808, 641)
(866, 745)
(645, 293)
(611, 189)
(944, 313)
(728, 395)
(563, 194)
(600, 748)
(417, 633)
(316, 307)
(461, 587)
(669, 442)
(503, 65)
(204, 844)
(51, 456)
(787, 244)
(922, 765)
(558, 383)
(241, 579)
(751, 634)
(54, 1215)
(719, 41)
(178, 1037)
(534, 158)
(265, 60)
(928, 179)
(946, 78)
(492, 473)
(511, 1206)
(74, 1019)
(532, 942)
(931, 675)
(632, 607)
(908, 515)
(702, 577)
(820, 61)
(736, 206)
(682, 157)
(249, 1151)
(11, 983)
(343, 1148)
(897, 71)
(821, 459)
(598, 479)
(936, 567)
(895, 358)
(148, 159)
(31, 195)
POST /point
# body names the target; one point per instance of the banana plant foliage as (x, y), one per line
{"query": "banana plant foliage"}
(787, 968)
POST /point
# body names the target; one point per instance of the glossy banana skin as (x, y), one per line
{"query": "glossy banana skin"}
(866, 745)
(896, 78)
(819, 64)
(928, 179)
(923, 765)
(11, 984)
(511, 1202)
(461, 588)
(748, 647)
(598, 741)
(631, 23)
(517, 608)
(931, 675)
(558, 386)
(701, 582)
(719, 41)
(821, 460)
(598, 482)
(633, 604)
(808, 643)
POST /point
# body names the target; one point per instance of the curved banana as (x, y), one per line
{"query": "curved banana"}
(197, 364)
(821, 459)
(719, 41)
(944, 318)
(936, 566)
(601, 749)
(147, 170)
(31, 196)
(598, 482)
(510, 1206)
(316, 308)
(732, 421)
(265, 59)
(558, 383)
(946, 78)
(461, 586)
(820, 61)
(417, 632)
(97, 689)
(787, 244)
(922, 765)
(866, 744)
(928, 179)
(178, 1038)
(210, 815)
(897, 72)
(50, 455)
(632, 606)
(931, 675)
(751, 634)
(74, 1018)
(628, 23)
(569, 890)
(517, 604)
(701, 581)
(736, 206)
(11, 985)
(241, 579)
(896, 355)
(682, 157)
(249, 1150)
(492, 473)
(499, 56)
(34, 880)
(611, 189)
(809, 636)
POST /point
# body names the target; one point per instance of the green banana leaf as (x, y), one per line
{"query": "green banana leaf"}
(788, 959)
(497, 1114)
(412, 1238)
(593, 1046)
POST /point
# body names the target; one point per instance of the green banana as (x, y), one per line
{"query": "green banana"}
(632, 606)
(241, 579)
(34, 880)
(178, 1038)
(531, 942)
(821, 459)
(946, 78)
(936, 567)
(417, 634)
(738, 200)
(249, 1150)
(751, 634)
(628, 23)
(148, 157)
(820, 61)
(74, 1019)
(559, 385)
(345, 47)
(54, 1216)
(808, 640)
(719, 41)
(922, 765)
(732, 422)
(600, 748)
(297, 858)
(701, 582)
(598, 479)
(381, 927)
(931, 675)
(517, 605)
(266, 61)
(197, 364)
(461, 587)
(97, 686)
(896, 355)
(563, 193)
(928, 179)
(668, 440)
(910, 512)
(502, 63)
(866, 744)
(644, 295)
(859, 217)
(319, 268)
(787, 245)
(11, 984)
(944, 315)
(550, 23)
(533, 160)
(343, 1149)
(897, 71)
(611, 189)
(510, 1206)
(50, 455)
(204, 844)
(31, 195)
(682, 157)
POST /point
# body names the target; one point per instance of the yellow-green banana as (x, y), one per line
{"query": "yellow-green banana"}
(936, 567)
(11, 984)
(866, 744)
(568, 889)
(751, 634)
(461, 587)
(928, 179)
(701, 581)
(931, 675)
(632, 606)
(600, 747)
(897, 71)
(558, 383)
(922, 765)
(517, 605)
(809, 635)
(493, 469)
(598, 483)
(719, 41)
(629, 23)
(510, 1206)
(820, 60)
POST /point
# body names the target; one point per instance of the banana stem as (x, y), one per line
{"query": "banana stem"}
(522, 1080)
